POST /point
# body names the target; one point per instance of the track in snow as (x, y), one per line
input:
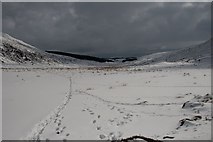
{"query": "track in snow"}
(119, 103)
(39, 127)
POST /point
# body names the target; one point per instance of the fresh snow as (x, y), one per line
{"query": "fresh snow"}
(105, 104)
(161, 96)
(27, 98)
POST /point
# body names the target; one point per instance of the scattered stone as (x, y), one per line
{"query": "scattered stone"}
(189, 104)
(195, 118)
(208, 119)
(102, 136)
(185, 121)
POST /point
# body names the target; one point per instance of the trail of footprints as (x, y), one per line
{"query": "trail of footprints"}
(59, 128)
(126, 116)
(93, 121)
(116, 121)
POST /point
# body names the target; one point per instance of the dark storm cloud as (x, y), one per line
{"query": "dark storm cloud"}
(108, 29)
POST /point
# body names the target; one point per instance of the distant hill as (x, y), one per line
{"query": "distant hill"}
(14, 51)
(93, 58)
(82, 57)
(200, 54)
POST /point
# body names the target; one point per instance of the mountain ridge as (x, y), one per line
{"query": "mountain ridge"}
(14, 51)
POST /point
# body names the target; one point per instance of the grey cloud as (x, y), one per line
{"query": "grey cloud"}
(108, 29)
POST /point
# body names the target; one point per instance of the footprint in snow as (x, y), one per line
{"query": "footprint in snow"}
(114, 136)
(112, 107)
(98, 128)
(59, 124)
(121, 123)
(121, 111)
(188, 94)
(60, 130)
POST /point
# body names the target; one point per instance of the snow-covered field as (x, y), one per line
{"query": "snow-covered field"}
(160, 96)
(107, 103)
(28, 97)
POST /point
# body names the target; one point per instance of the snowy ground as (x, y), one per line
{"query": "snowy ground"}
(107, 103)
(27, 98)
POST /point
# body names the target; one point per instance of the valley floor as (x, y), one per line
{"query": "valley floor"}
(84, 104)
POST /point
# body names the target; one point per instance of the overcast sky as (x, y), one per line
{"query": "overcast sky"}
(108, 29)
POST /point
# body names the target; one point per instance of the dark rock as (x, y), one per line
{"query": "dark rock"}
(168, 137)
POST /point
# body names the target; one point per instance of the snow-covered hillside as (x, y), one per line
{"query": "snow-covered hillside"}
(14, 51)
(197, 55)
